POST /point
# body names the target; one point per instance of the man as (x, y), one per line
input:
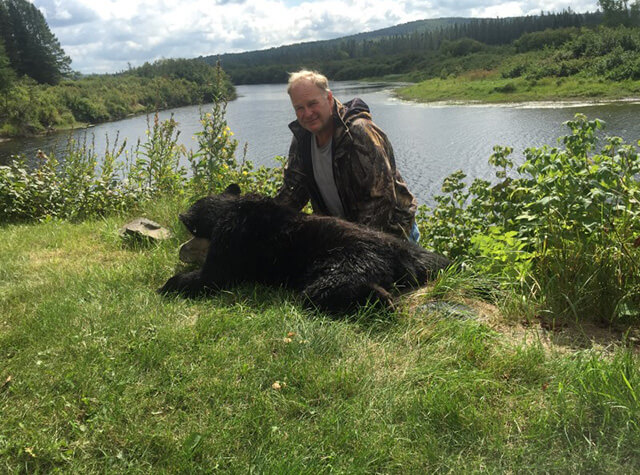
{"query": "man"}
(341, 161)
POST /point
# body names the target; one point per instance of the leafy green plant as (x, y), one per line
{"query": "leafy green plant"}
(566, 225)
(82, 184)
(75, 188)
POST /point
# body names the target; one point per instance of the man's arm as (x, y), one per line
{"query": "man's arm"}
(293, 192)
(374, 165)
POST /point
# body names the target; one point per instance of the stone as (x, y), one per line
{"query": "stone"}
(144, 228)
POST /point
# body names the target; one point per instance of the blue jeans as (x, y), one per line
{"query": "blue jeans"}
(414, 234)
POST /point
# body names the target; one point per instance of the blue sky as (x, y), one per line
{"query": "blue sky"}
(104, 36)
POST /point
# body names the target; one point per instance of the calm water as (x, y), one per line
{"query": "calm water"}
(430, 141)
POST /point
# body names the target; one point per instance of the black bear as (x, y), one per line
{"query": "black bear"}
(337, 265)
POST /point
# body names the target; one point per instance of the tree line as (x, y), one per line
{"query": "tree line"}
(39, 92)
(27, 45)
(354, 58)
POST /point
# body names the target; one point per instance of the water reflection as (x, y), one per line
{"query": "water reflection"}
(430, 141)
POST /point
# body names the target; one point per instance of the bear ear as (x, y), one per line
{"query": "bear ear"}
(232, 189)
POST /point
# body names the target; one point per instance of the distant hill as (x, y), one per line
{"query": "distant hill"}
(298, 50)
(407, 28)
(399, 49)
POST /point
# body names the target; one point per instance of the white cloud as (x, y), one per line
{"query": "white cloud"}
(105, 35)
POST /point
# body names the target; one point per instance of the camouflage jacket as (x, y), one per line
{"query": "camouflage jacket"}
(371, 189)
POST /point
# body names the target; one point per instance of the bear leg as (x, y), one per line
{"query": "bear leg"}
(188, 284)
(343, 295)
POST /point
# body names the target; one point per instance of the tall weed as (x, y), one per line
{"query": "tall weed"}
(157, 169)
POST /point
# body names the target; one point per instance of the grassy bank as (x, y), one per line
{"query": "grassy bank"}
(551, 65)
(29, 108)
(490, 87)
(98, 373)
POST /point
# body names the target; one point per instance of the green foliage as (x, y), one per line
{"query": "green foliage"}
(566, 225)
(214, 165)
(619, 12)
(461, 47)
(550, 38)
(7, 75)
(30, 108)
(216, 151)
(75, 188)
(610, 53)
(81, 185)
(157, 169)
(32, 48)
(417, 49)
(212, 83)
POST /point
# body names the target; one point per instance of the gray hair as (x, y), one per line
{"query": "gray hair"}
(319, 80)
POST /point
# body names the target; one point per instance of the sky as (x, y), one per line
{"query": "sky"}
(106, 36)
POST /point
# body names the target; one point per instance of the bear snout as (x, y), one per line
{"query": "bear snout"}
(184, 219)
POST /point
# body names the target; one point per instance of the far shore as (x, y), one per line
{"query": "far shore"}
(467, 90)
(54, 130)
(533, 104)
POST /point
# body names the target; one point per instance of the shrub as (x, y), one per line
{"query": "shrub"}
(548, 38)
(506, 88)
(461, 47)
(566, 225)
(81, 185)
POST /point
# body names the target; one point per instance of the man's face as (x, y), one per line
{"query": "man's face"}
(313, 107)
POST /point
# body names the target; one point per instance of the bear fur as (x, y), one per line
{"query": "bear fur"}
(335, 264)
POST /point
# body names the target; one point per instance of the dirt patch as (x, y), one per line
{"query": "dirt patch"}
(563, 337)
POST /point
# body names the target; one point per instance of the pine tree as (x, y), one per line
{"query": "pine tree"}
(619, 12)
(30, 46)
(7, 77)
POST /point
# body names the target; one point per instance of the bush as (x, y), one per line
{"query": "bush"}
(461, 47)
(80, 185)
(563, 230)
(549, 38)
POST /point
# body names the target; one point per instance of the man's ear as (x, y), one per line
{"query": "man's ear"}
(232, 189)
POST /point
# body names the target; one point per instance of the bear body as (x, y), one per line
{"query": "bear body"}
(337, 265)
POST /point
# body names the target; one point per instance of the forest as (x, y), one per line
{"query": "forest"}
(414, 49)
(40, 93)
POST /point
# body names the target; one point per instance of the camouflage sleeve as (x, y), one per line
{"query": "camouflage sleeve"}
(372, 157)
(293, 192)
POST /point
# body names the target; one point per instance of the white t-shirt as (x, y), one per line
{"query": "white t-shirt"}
(323, 173)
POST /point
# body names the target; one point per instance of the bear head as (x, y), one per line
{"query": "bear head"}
(202, 216)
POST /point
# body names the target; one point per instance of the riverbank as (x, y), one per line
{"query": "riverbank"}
(489, 88)
(99, 373)
(32, 109)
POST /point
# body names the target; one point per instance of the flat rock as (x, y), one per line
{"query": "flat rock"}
(143, 227)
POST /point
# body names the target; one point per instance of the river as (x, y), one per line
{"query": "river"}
(430, 141)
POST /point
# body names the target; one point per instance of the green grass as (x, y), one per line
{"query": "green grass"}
(482, 86)
(106, 376)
